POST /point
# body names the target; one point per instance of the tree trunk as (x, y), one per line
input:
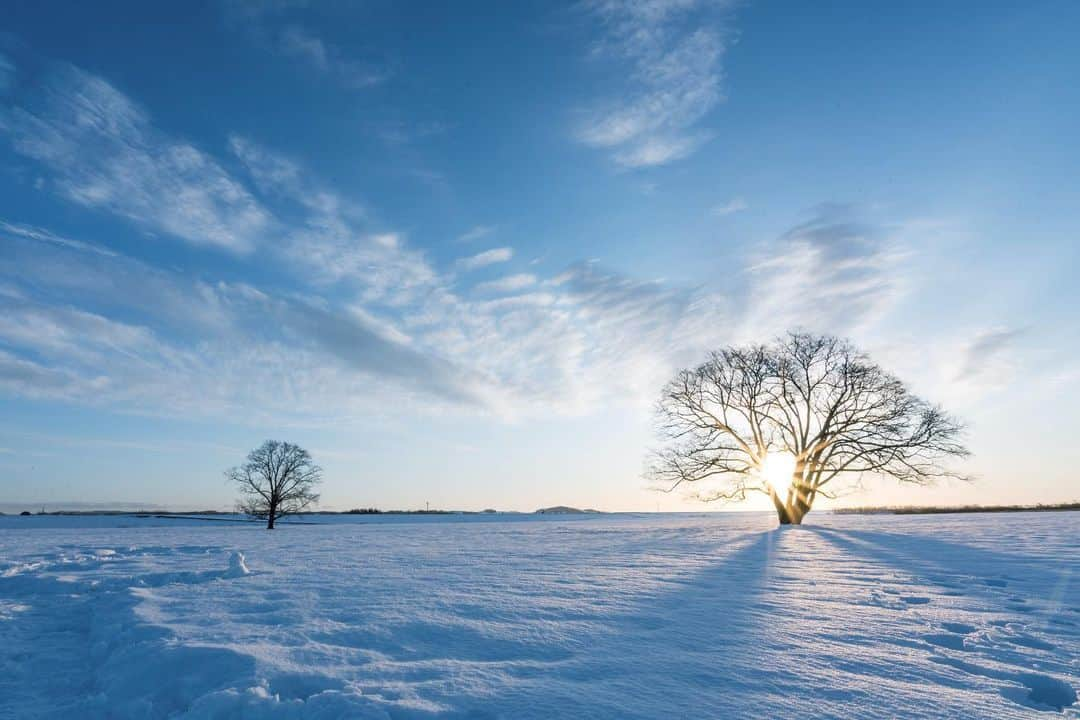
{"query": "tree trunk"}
(791, 512)
(270, 517)
(798, 502)
(782, 511)
(797, 512)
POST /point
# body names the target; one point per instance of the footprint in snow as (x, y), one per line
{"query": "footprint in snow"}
(946, 640)
(1017, 637)
(890, 598)
(1037, 691)
(958, 627)
(953, 637)
(886, 600)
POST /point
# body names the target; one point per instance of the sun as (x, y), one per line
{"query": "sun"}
(777, 470)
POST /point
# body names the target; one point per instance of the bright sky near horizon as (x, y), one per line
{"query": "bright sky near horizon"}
(456, 249)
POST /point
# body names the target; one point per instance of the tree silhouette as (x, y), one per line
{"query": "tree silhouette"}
(278, 479)
(815, 401)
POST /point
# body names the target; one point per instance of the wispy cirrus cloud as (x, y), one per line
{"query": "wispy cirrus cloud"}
(476, 233)
(199, 348)
(31, 379)
(675, 49)
(43, 235)
(274, 174)
(973, 365)
(986, 350)
(485, 258)
(582, 339)
(285, 27)
(301, 43)
(834, 272)
(508, 284)
(332, 237)
(103, 152)
(365, 320)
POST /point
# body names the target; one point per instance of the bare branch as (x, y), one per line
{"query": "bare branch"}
(277, 479)
(816, 397)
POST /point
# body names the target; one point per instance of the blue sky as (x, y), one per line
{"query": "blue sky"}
(455, 251)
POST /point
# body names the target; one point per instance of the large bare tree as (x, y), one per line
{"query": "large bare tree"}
(277, 479)
(793, 418)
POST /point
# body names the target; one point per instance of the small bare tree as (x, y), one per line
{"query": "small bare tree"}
(278, 479)
(813, 406)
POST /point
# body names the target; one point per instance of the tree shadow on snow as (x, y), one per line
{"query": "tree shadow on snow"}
(690, 651)
(948, 564)
(956, 570)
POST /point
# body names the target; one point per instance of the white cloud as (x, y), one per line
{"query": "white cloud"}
(380, 270)
(510, 283)
(368, 322)
(43, 235)
(69, 332)
(584, 339)
(203, 349)
(273, 173)
(657, 151)
(476, 233)
(26, 377)
(380, 326)
(104, 153)
(485, 258)
(532, 299)
(675, 55)
(832, 273)
(331, 242)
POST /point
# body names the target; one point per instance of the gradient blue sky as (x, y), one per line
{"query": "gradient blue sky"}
(455, 250)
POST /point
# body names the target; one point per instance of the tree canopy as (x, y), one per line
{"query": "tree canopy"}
(277, 479)
(813, 400)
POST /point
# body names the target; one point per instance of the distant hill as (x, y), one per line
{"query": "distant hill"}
(565, 510)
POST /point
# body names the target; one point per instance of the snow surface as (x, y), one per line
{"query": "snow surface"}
(614, 616)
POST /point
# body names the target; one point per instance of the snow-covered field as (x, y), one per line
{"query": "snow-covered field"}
(713, 615)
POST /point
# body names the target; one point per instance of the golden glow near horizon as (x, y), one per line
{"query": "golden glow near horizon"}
(777, 469)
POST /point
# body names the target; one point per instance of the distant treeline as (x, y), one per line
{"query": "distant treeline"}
(377, 511)
(190, 513)
(935, 510)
